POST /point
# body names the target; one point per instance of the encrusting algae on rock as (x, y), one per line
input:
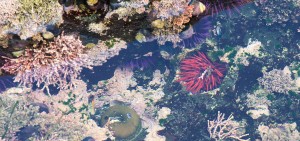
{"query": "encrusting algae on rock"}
(30, 17)
(126, 70)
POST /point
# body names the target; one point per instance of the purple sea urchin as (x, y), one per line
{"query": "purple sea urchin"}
(195, 34)
(215, 6)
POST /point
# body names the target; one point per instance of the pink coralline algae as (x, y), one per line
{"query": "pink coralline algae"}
(199, 73)
(55, 63)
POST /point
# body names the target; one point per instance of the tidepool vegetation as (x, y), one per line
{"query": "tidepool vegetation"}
(92, 55)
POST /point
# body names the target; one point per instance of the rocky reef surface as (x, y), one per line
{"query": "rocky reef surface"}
(154, 70)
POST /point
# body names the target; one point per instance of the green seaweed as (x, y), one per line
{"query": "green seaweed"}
(7, 123)
(70, 103)
(15, 114)
(110, 43)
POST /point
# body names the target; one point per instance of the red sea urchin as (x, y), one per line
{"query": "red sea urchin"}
(199, 73)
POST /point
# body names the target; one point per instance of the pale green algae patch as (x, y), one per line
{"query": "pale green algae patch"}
(122, 120)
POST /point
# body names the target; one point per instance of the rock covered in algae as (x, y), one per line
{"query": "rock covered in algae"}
(14, 114)
(279, 132)
(258, 103)
(29, 17)
(103, 51)
(276, 80)
(158, 24)
(122, 120)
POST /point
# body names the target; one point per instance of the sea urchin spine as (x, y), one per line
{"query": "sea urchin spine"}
(199, 73)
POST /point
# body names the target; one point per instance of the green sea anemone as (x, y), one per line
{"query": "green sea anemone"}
(122, 120)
